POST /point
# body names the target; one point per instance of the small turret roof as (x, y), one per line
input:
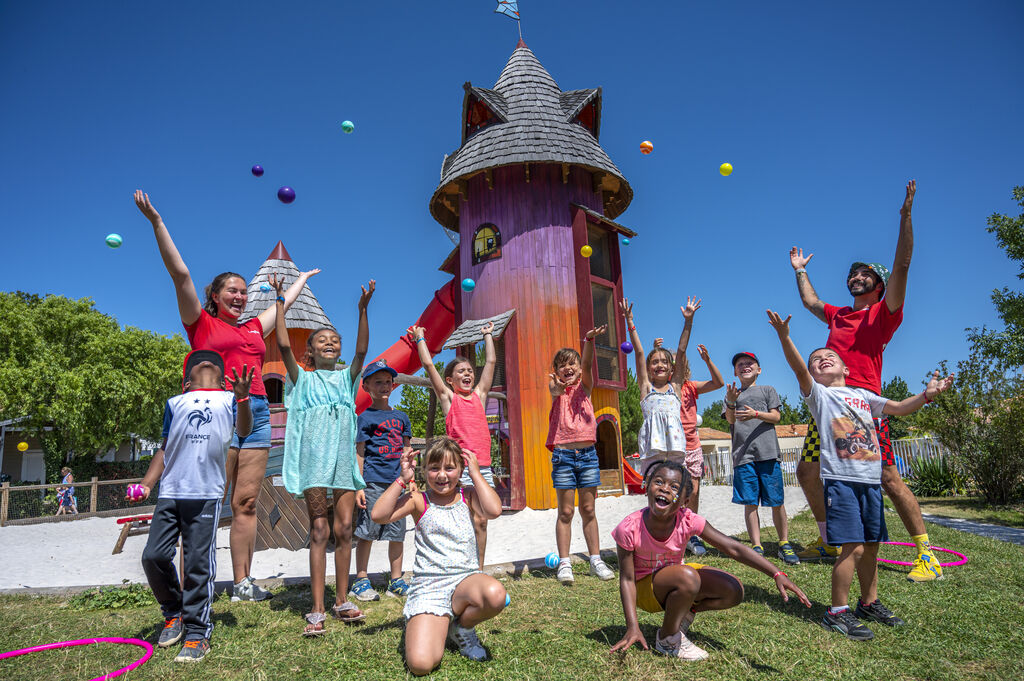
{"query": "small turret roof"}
(305, 313)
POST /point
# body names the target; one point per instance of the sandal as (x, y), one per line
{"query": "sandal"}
(348, 612)
(315, 624)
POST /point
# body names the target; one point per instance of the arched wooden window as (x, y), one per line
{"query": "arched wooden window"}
(486, 243)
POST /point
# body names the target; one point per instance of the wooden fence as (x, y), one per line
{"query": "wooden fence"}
(95, 497)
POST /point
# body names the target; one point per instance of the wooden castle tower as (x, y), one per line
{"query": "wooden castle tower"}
(530, 186)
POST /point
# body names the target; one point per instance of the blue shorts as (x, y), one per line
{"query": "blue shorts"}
(575, 468)
(758, 483)
(854, 513)
(485, 471)
(371, 531)
(259, 438)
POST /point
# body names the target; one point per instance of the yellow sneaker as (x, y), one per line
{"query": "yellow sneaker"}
(819, 550)
(926, 568)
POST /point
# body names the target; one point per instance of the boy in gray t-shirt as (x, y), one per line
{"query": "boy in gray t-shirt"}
(752, 411)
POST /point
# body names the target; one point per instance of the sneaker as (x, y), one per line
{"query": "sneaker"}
(397, 588)
(564, 573)
(362, 590)
(877, 612)
(679, 646)
(247, 590)
(193, 651)
(172, 633)
(758, 549)
(926, 568)
(787, 554)
(599, 569)
(696, 547)
(819, 550)
(467, 642)
(847, 624)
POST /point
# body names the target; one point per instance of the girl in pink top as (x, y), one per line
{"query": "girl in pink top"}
(572, 433)
(463, 405)
(650, 544)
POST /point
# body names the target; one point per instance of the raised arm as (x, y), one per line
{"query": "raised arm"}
(688, 310)
(243, 411)
(268, 316)
(394, 504)
(189, 306)
(935, 387)
(483, 386)
(732, 393)
(588, 357)
(284, 344)
(363, 334)
(638, 350)
(796, 362)
(444, 394)
(896, 289)
(716, 381)
(803, 283)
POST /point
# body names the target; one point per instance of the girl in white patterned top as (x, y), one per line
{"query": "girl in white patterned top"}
(448, 595)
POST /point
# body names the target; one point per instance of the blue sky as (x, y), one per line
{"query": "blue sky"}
(824, 109)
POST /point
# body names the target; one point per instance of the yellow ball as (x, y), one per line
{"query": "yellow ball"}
(22, 446)
(586, 251)
(646, 147)
(725, 168)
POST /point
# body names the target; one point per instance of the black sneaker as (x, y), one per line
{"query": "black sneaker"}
(171, 634)
(787, 554)
(847, 624)
(193, 651)
(876, 612)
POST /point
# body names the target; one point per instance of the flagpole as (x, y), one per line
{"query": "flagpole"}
(519, 25)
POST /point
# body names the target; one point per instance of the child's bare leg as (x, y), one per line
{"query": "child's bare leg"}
(675, 587)
(319, 534)
(753, 522)
(719, 590)
(808, 474)
(480, 530)
(362, 556)
(395, 558)
(867, 573)
(588, 496)
(563, 523)
(344, 504)
(781, 522)
(842, 573)
(425, 636)
(694, 501)
(477, 598)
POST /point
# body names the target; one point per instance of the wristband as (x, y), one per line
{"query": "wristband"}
(488, 333)
(632, 328)
(421, 338)
(927, 400)
(402, 483)
(780, 572)
(730, 406)
(244, 399)
(280, 299)
(757, 414)
(801, 270)
(585, 339)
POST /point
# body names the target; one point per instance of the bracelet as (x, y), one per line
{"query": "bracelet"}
(757, 414)
(421, 338)
(632, 328)
(585, 339)
(730, 406)
(801, 270)
(488, 333)
(927, 400)
(402, 483)
(780, 572)
(244, 399)
(280, 299)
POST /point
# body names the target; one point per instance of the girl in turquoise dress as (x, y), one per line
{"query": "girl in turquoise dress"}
(320, 450)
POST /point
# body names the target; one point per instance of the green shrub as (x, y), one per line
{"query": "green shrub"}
(108, 598)
(936, 477)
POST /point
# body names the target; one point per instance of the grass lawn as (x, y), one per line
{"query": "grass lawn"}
(966, 626)
(973, 508)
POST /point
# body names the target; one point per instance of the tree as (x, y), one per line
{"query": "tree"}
(793, 415)
(67, 366)
(415, 402)
(712, 416)
(899, 426)
(1007, 344)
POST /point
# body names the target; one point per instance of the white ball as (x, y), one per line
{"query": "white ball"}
(700, 420)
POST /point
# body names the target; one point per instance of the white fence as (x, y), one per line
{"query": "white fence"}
(718, 465)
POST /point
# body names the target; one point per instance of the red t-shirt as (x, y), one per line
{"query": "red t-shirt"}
(859, 337)
(238, 345)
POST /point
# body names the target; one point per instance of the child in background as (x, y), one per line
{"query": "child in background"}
(384, 433)
(190, 466)
(572, 434)
(320, 448)
(651, 543)
(66, 502)
(752, 411)
(851, 470)
(463, 405)
(448, 596)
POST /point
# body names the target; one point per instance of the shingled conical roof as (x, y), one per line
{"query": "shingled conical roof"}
(527, 118)
(305, 313)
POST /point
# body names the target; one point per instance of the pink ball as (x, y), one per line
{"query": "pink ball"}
(136, 492)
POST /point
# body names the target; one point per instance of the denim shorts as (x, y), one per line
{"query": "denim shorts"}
(854, 513)
(371, 531)
(259, 438)
(758, 483)
(575, 468)
(485, 471)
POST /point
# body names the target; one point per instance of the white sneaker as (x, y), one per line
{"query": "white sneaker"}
(467, 641)
(565, 573)
(599, 569)
(247, 590)
(679, 646)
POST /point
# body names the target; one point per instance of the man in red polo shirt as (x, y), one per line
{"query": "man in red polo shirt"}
(859, 334)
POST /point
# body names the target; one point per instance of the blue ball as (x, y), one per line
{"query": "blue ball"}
(114, 240)
(551, 560)
(626, 347)
(508, 599)
(257, 170)
(265, 287)
(468, 284)
(625, 241)
(347, 126)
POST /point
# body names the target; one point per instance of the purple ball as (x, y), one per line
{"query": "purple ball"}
(257, 170)
(626, 347)
(286, 194)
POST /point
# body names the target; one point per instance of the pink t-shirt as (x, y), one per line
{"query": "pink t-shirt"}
(688, 415)
(572, 417)
(466, 423)
(650, 554)
(238, 345)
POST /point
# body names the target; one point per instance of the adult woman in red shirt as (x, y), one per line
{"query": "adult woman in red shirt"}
(214, 326)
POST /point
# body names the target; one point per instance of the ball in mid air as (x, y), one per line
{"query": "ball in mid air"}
(348, 126)
(114, 240)
(725, 169)
(468, 284)
(646, 147)
(626, 347)
(286, 194)
(586, 251)
(257, 170)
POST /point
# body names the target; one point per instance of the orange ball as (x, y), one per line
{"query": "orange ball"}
(646, 147)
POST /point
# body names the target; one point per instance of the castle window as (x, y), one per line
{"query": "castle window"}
(478, 117)
(486, 243)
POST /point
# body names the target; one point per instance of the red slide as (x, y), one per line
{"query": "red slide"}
(439, 321)
(634, 481)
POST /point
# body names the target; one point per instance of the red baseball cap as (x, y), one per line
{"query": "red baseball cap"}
(738, 355)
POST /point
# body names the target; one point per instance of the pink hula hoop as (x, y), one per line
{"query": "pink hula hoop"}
(962, 557)
(88, 641)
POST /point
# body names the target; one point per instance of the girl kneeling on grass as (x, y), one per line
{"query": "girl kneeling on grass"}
(652, 575)
(448, 595)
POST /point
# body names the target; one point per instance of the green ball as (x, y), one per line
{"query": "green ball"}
(347, 126)
(114, 240)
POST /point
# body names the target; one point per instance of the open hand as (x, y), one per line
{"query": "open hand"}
(703, 352)
(658, 342)
(937, 386)
(417, 332)
(745, 413)
(557, 384)
(594, 333)
(783, 583)
(277, 283)
(240, 384)
(367, 293)
(309, 273)
(908, 202)
(732, 393)
(142, 201)
(627, 309)
(780, 325)
(632, 635)
(692, 305)
(408, 464)
(797, 259)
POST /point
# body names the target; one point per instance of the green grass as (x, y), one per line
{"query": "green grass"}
(966, 626)
(973, 508)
